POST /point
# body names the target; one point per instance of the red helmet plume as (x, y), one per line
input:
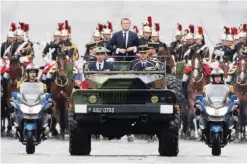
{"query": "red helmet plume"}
(66, 25)
(110, 25)
(180, 28)
(245, 27)
(26, 28)
(104, 26)
(157, 27)
(13, 27)
(150, 21)
(22, 25)
(100, 27)
(200, 30)
(69, 29)
(227, 30)
(60, 26)
(192, 28)
(136, 29)
(234, 31)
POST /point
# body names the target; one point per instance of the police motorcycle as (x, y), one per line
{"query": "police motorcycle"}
(217, 116)
(30, 116)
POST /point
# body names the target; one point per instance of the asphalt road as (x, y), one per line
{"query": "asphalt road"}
(116, 151)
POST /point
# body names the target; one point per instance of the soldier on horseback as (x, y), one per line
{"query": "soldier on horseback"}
(50, 54)
(6, 48)
(241, 47)
(199, 48)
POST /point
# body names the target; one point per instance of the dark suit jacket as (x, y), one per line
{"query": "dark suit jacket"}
(117, 41)
(93, 67)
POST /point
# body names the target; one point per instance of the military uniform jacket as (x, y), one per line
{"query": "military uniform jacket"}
(5, 46)
(241, 48)
(180, 51)
(69, 48)
(204, 50)
(144, 41)
(229, 52)
(218, 46)
(48, 48)
(27, 49)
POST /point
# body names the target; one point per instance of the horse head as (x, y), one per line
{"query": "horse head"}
(197, 69)
(61, 59)
(241, 68)
(61, 75)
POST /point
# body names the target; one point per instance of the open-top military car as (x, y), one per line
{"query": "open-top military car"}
(122, 102)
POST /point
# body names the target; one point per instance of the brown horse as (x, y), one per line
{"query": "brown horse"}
(61, 88)
(15, 74)
(198, 79)
(240, 89)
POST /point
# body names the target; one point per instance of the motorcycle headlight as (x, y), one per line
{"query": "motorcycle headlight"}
(30, 110)
(216, 112)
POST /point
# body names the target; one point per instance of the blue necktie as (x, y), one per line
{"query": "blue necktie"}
(99, 67)
(125, 38)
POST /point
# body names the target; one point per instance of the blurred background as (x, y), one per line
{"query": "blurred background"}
(83, 17)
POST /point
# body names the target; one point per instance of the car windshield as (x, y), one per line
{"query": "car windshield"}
(216, 95)
(31, 92)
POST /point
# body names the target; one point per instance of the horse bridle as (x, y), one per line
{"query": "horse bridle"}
(61, 84)
(200, 72)
(238, 77)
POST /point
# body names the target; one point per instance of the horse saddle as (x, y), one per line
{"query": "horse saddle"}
(232, 70)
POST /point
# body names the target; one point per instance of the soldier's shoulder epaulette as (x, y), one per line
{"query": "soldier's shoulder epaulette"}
(19, 84)
(230, 88)
(232, 46)
(44, 86)
(204, 88)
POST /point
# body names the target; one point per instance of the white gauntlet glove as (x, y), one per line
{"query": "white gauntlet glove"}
(23, 59)
(110, 60)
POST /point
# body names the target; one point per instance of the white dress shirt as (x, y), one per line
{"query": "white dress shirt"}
(101, 66)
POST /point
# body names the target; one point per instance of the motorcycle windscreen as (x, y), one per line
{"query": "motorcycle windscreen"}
(216, 95)
(31, 92)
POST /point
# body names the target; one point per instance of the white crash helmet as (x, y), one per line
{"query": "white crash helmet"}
(32, 67)
(217, 72)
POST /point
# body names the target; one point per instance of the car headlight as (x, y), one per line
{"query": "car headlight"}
(30, 110)
(216, 112)
(154, 99)
(92, 99)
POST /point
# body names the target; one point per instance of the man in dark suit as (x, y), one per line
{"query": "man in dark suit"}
(101, 64)
(124, 42)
